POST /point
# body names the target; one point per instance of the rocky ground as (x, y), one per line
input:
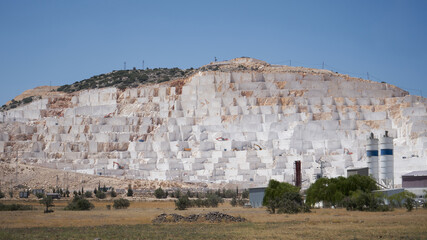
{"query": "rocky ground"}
(213, 217)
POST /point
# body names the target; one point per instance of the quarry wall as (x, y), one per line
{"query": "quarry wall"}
(243, 127)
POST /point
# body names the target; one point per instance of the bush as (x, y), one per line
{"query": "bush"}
(245, 194)
(14, 207)
(113, 193)
(399, 199)
(100, 195)
(121, 203)
(88, 194)
(182, 203)
(159, 193)
(213, 200)
(409, 204)
(233, 202)
(39, 195)
(79, 204)
(130, 191)
(2, 194)
(365, 201)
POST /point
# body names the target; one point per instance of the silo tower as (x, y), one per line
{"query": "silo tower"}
(386, 162)
(372, 155)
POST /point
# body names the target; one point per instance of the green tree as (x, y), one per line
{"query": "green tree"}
(113, 193)
(183, 202)
(245, 194)
(47, 201)
(399, 199)
(333, 191)
(275, 194)
(130, 191)
(159, 193)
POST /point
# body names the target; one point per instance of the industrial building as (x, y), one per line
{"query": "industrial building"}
(358, 171)
(256, 195)
(416, 179)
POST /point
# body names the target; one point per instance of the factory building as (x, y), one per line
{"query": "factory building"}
(379, 153)
(416, 179)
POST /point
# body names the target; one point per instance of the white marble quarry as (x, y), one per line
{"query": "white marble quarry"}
(239, 126)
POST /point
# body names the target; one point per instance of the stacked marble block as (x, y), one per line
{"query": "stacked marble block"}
(241, 127)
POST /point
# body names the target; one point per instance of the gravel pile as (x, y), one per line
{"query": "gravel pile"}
(213, 217)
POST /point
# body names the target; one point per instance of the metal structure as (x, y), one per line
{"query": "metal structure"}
(386, 161)
(256, 195)
(372, 156)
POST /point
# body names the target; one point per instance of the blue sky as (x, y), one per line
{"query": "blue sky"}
(61, 42)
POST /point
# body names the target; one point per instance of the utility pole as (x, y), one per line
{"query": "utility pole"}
(323, 65)
(290, 62)
(142, 64)
(124, 67)
(368, 75)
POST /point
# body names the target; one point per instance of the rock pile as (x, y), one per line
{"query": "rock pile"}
(213, 217)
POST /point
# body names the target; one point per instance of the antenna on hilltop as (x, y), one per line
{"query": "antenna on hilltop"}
(368, 75)
(142, 64)
(124, 67)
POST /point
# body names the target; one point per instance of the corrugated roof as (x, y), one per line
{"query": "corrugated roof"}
(417, 173)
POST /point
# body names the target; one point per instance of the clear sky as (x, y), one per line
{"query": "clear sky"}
(61, 42)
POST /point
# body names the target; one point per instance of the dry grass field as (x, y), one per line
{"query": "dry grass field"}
(135, 223)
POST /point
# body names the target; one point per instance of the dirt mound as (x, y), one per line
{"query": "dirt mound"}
(213, 217)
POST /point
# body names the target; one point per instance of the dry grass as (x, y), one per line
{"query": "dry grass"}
(135, 223)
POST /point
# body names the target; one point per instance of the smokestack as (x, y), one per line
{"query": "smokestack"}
(298, 173)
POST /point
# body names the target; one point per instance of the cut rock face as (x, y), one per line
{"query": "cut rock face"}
(241, 121)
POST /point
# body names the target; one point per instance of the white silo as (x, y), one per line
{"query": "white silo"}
(386, 161)
(372, 156)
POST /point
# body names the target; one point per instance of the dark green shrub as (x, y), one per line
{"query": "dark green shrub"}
(101, 195)
(113, 193)
(79, 204)
(2, 194)
(14, 207)
(159, 193)
(130, 191)
(409, 204)
(233, 202)
(88, 194)
(245, 194)
(365, 201)
(121, 203)
(27, 100)
(39, 195)
(213, 200)
(182, 203)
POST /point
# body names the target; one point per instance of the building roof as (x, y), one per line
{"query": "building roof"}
(416, 173)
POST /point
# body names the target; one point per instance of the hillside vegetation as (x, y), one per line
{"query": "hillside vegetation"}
(127, 78)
